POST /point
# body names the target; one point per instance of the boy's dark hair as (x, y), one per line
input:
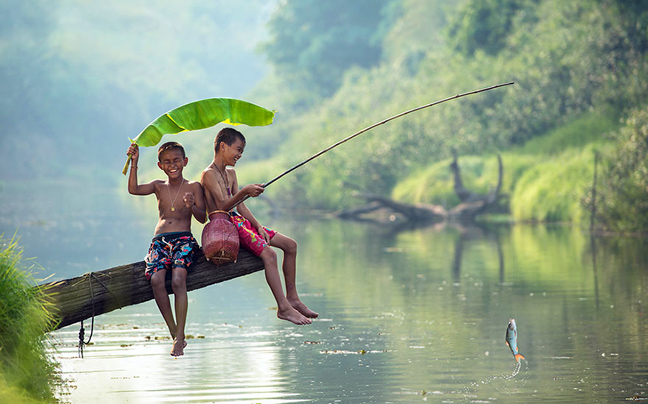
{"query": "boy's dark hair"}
(170, 146)
(227, 136)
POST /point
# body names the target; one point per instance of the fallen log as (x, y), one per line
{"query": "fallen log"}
(96, 293)
(472, 204)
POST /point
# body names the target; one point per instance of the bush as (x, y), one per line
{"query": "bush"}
(623, 188)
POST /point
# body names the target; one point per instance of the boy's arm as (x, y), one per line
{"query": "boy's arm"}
(133, 187)
(195, 201)
(215, 195)
(252, 190)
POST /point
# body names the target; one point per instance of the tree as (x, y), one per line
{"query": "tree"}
(484, 25)
(315, 42)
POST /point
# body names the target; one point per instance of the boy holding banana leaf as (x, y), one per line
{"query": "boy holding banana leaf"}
(222, 193)
(173, 246)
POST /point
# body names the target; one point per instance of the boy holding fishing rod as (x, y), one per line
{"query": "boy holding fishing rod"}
(222, 194)
(173, 245)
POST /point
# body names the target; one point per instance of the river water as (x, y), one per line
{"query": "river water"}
(405, 317)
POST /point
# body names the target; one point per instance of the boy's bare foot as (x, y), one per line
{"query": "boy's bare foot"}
(301, 307)
(178, 348)
(293, 316)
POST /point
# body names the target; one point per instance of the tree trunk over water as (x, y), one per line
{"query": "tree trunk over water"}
(96, 293)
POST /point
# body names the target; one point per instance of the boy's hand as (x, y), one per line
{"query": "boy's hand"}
(263, 233)
(133, 151)
(189, 200)
(253, 190)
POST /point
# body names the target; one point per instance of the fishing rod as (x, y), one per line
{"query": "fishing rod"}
(375, 125)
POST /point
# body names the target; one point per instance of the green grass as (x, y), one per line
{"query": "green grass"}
(26, 372)
(551, 191)
(545, 179)
(589, 128)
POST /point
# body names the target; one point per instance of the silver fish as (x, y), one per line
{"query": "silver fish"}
(511, 340)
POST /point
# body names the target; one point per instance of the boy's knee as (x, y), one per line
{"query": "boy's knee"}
(158, 283)
(268, 254)
(290, 247)
(179, 279)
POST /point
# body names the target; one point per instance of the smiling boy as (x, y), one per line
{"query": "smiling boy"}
(173, 245)
(222, 193)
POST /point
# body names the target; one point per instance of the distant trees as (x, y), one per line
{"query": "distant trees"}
(485, 24)
(314, 42)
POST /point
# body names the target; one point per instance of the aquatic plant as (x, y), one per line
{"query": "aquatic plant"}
(26, 372)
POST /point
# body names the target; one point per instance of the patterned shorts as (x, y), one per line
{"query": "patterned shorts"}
(170, 250)
(248, 235)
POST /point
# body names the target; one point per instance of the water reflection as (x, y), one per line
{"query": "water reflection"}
(418, 315)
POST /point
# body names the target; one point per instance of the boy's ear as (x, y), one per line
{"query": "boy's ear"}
(160, 166)
(186, 160)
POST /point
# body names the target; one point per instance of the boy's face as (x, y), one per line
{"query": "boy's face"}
(172, 162)
(233, 152)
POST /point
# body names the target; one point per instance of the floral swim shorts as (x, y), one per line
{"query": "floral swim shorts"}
(170, 250)
(248, 235)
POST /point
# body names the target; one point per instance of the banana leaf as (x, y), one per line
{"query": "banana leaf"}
(200, 115)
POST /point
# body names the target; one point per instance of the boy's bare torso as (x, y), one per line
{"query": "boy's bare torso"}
(216, 185)
(174, 215)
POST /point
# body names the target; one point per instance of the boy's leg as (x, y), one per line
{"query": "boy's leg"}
(289, 266)
(162, 300)
(285, 311)
(179, 285)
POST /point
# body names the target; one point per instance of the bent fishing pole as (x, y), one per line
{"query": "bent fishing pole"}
(375, 125)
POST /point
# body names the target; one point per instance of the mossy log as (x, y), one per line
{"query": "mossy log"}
(100, 292)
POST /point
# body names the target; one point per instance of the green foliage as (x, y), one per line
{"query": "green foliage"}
(485, 24)
(314, 42)
(416, 30)
(623, 193)
(25, 369)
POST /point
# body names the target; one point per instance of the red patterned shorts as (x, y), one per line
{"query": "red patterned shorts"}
(248, 235)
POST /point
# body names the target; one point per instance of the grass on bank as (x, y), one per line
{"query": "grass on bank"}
(27, 373)
(545, 180)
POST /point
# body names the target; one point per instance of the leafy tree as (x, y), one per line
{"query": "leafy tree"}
(314, 42)
(485, 25)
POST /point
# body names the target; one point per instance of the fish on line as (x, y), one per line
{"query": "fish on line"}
(511, 340)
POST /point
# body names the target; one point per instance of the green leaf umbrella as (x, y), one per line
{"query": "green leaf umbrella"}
(200, 115)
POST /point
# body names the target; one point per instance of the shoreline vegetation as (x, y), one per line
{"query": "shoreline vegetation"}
(27, 373)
